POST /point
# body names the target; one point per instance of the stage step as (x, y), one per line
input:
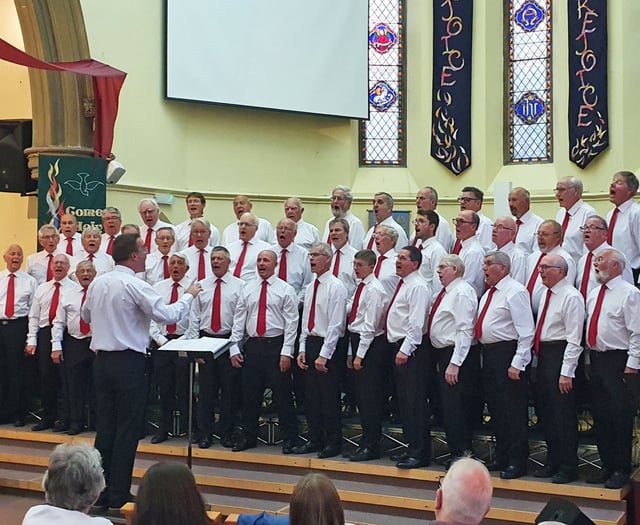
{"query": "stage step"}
(374, 492)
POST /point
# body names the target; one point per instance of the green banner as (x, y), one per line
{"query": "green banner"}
(75, 185)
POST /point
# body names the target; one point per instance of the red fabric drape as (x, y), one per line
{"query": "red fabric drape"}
(107, 82)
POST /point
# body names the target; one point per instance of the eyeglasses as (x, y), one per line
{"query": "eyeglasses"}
(500, 227)
(403, 258)
(590, 228)
(545, 267)
(467, 200)
(419, 221)
(461, 221)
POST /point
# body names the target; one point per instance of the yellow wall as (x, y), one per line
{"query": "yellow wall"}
(175, 147)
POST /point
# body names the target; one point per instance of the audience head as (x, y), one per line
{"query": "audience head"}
(519, 202)
(315, 501)
(74, 477)
(568, 192)
(168, 495)
(341, 199)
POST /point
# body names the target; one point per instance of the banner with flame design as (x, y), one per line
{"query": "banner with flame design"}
(451, 93)
(588, 85)
(75, 185)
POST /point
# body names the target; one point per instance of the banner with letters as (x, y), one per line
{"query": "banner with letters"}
(75, 185)
(588, 85)
(451, 90)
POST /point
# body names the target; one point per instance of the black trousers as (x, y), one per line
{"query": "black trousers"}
(13, 334)
(507, 401)
(218, 378)
(612, 411)
(78, 385)
(459, 400)
(49, 374)
(369, 391)
(261, 368)
(412, 401)
(121, 390)
(322, 393)
(557, 411)
(171, 374)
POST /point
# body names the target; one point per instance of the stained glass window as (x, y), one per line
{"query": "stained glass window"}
(528, 112)
(382, 137)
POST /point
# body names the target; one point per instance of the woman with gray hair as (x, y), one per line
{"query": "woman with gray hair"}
(72, 483)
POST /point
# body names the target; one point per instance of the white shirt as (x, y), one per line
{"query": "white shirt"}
(264, 233)
(539, 288)
(143, 233)
(154, 267)
(509, 318)
(369, 320)
(49, 515)
(102, 262)
(76, 244)
(158, 331)
(330, 313)
(345, 270)
(518, 262)
(619, 320)
(38, 263)
(68, 316)
(193, 255)
(24, 288)
(626, 232)
(432, 254)
(183, 234)
(389, 221)
(201, 310)
(407, 315)
(249, 266)
(41, 305)
(472, 255)
(563, 322)
(120, 307)
(298, 268)
(526, 236)
(485, 229)
(306, 234)
(627, 274)
(387, 276)
(572, 241)
(454, 321)
(281, 315)
(104, 243)
(356, 230)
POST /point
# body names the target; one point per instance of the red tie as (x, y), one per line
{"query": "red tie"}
(69, 246)
(336, 264)
(586, 273)
(541, 318)
(371, 241)
(518, 224)
(261, 326)
(85, 327)
(415, 241)
(612, 224)
(91, 257)
(395, 294)
(110, 244)
(147, 239)
(436, 303)
(534, 275)
(378, 267)
(165, 266)
(282, 270)
(356, 303)
(55, 299)
(201, 271)
(329, 239)
(593, 325)
(312, 313)
(565, 223)
(478, 333)
(9, 307)
(190, 241)
(171, 328)
(49, 267)
(240, 263)
(216, 322)
(457, 247)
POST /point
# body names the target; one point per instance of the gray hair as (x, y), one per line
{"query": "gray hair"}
(453, 261)
(201, 222)
(389, 231)
(466, 491)
(47, 228)
(323, 248)
(387, 197)
(182, 256)
(74, 478)
(91, 230)
(112, 209)
(149, 200)
(347, 192)
(573, 182)
(340, 220)
(500, 258)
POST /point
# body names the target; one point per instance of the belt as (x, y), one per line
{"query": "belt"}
(11, 321)
(268, 340)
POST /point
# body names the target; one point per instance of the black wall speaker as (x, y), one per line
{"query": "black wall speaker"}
(563, 511)
(15, 136)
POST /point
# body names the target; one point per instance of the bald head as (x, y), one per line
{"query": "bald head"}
(465, 494)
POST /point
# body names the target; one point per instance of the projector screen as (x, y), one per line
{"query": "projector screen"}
(295, 55)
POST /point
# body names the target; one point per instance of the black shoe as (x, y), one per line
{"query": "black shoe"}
(205, 442)
(288, 446)
(546, 471)
(60, 426)
(599, 477)
(364, 454)
(19, 422)
(307, 448)
(400, 456)
(512, 472)
(617, 480)
(43, 424)
(564, 476)
(228, 441)
(330, 451)
(159, 437)
(243, 444)
(411, 462)
(75, 429)
(495, 466)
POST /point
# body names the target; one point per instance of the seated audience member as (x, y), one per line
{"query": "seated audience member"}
(464, 495)
(168, 495)
(315, 501)
(72, 483)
